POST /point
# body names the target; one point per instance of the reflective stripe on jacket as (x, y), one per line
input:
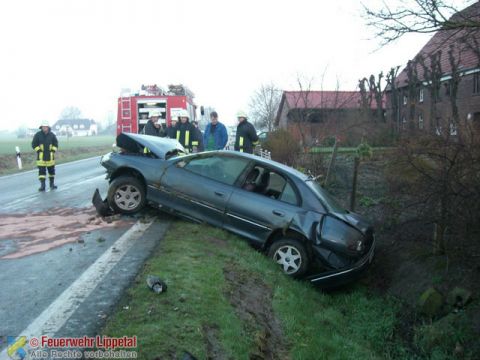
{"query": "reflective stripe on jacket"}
(246, 137)
(45, 145)
(186, 135)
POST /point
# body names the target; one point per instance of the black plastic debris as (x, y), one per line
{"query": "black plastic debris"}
(187, 356)
(156, 284)
(102, 207)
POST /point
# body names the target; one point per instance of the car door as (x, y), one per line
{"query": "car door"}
(201, 186)
(256, 214)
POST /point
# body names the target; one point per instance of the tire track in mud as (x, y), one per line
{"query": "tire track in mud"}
(252, 300)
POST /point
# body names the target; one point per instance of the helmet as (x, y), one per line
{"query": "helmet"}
(242, 114)
(183, 113)
(156, 113)
(44, 123)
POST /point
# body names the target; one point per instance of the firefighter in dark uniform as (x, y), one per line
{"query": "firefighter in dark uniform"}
(172, 129)
(246, 138)
(45, 143)
(185, 132)
(152, 127)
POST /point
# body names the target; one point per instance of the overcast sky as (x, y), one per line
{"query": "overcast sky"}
(58, 53)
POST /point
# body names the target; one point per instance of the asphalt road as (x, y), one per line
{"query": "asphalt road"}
(67, 290)
(75, 181)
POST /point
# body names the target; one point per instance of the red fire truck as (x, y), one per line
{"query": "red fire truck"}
(134, 109)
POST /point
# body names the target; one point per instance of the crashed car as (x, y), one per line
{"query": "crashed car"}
(280, 210)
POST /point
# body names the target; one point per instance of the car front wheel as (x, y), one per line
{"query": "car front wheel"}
(126, 195)
(291, 255)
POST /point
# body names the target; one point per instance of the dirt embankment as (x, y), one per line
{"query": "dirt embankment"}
(404, 263)
(252, 300)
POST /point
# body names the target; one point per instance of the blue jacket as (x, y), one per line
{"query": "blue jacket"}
(220, 135)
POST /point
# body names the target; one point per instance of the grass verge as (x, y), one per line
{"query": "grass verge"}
(69, 150)
(225, 300)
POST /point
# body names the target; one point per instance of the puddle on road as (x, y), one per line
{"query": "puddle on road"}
(27, 234)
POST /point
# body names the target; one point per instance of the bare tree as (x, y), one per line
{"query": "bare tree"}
(264, 105)
(303, 107)
(417, 16)
(371, 90)
(70, 112)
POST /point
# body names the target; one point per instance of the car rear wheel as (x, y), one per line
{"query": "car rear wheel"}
(126, 195)
(291, 255)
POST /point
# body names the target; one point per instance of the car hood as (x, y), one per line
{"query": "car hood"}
(355, 220)
(161, 147)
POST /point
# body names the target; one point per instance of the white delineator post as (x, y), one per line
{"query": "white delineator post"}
(19, 157)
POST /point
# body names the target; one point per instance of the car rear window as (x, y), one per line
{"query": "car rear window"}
(328, 200)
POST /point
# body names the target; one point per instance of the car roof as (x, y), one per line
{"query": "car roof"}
(270, 163)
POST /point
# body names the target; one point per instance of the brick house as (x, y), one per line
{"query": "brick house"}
(439, 90)
(314, 117)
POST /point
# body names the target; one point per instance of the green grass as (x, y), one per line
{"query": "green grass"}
(193, 260)
(71, 149)
(8, 143)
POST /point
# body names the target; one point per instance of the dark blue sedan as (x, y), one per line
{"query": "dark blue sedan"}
(285, 213)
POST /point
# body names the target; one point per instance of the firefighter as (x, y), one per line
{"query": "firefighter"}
(45, 143)
(246, 138)
(162, 128)
(152, 127)
(171, 130)
(199, 136)
(186, 133)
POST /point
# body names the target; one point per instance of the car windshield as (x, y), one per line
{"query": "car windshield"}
(327, 199)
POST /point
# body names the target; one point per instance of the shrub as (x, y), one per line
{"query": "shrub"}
(283, 146)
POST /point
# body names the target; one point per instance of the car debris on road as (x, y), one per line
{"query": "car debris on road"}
(156, 284)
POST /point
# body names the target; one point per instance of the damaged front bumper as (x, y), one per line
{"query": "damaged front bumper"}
(341, 276)
(102, 206)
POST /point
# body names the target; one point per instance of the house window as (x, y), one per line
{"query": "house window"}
(453, 129)
(82, 126)
(448, 88)
(75, 126)
(404, 123)
(476, 83)
(420, 121)
(405, 99)
(420, 95)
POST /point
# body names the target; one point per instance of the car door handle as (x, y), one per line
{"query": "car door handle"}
(218, 193)
(278, 213)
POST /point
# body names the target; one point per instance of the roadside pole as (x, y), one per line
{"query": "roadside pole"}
(19, 157)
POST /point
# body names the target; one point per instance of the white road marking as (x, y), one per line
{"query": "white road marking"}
(60, 310)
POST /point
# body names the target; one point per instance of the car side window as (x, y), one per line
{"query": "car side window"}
(289, 195)
(221, 168)
(266, 182)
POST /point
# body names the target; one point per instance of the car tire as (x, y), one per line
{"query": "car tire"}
(126, 195)
(291, 255)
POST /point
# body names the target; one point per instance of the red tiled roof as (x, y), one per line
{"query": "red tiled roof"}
(445, 39)
(324, 99)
